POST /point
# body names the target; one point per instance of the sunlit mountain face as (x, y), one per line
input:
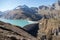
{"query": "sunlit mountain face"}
(29, 13)
(23, 12)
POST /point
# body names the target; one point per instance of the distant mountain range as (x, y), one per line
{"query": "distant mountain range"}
(32, 13)
(23, 12)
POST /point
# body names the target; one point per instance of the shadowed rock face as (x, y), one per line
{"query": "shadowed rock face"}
(32, 29)
(43, 7)
(1, 14)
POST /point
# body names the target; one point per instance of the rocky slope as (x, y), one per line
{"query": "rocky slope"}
(46, 29)
(49, 29)
(52, 11)
(11, 32)
(49, 25)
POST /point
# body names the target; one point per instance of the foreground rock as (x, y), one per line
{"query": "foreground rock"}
(11, 32)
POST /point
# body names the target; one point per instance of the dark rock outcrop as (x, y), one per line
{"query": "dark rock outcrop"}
(32, 29)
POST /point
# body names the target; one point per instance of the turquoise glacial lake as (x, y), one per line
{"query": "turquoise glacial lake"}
(20, 23)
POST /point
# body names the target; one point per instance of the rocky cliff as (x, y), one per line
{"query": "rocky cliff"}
(49, 29)
(52, 11)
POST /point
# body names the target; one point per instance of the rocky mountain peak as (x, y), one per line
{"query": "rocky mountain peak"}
(43, 7)
(59, 2)
(57, 5)
(23, 6)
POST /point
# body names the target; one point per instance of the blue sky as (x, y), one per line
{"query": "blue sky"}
(11, 4)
